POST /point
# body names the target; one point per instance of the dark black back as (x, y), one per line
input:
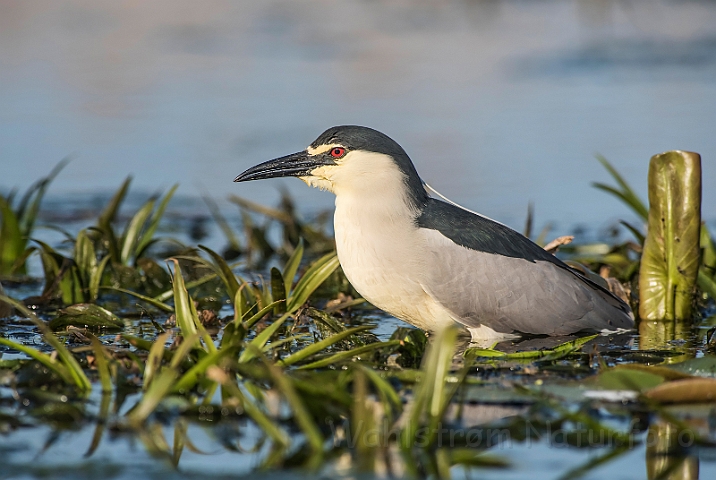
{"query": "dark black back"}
(480, 233)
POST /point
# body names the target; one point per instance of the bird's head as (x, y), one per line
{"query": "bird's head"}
(347, 159)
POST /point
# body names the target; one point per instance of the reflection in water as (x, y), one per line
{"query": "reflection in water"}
(656, 335)
(667, 446)
(667, 455)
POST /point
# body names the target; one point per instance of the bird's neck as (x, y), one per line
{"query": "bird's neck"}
(374, 232)
(376, 241)
(376, 209)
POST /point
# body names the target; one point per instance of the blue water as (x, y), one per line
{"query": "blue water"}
(499, 103)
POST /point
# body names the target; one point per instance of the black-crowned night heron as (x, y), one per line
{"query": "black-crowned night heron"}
(432, 263)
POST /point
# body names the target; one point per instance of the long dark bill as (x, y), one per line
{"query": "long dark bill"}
(298, 164)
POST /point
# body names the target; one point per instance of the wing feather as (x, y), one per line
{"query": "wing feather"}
(494, 276)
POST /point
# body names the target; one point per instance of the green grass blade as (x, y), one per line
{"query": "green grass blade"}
(148, 235)
(182, 307)
(105, 378)
(708, 246)
(301, 415)
(109, 215)
(391, 400)
(627, 193)
(154, 359)
(29, 206)
(257, 415)
(85, 256)
(316, 274)
(11, 240)
(99, 429)
(19, 265)
(363, 424)
(96, 278)
(189, 285)
(620, 195)
(78, 375)
(291, 267)
(278, 289)
(634, 231)
(208, 341)
(314, 348)
(162, 384)
(191, 377)
(186, 346)
(146, 345)
(429, 397)
(261, 209)
(340, 356)
(706, 283)
(132, 234)
(251, 321)
(561, 349)
(482, 352)
(158, 390)
(152, 301)
(180, 439)
(224, 271)
(43, 358)
(260, 340)
(284, 340)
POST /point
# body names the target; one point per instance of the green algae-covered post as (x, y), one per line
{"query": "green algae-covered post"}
(670, 260)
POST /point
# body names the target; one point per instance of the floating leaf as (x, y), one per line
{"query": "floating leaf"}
(701, 367)
(86, 315)
(620, 379)
(665, 372)
(690, 390)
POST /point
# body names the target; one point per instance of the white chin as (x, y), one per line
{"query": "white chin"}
(317, 182)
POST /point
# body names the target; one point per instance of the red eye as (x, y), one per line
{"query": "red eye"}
(338, 152)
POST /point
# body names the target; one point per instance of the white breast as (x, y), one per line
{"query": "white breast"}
(377, 241)
(385, 261)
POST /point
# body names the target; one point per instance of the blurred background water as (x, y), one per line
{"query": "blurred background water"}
(498, 102)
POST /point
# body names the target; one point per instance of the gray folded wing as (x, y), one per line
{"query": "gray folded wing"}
(484, 273)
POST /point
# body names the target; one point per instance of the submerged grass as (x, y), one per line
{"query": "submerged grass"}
(291, 356)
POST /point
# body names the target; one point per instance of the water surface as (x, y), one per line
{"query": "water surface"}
(499, 103)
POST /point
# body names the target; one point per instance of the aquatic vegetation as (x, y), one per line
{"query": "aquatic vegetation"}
(75, 279)
(271, 354)
(670, 259)
(17, 223)
(674, 188)
(66, 367)
(127, 248)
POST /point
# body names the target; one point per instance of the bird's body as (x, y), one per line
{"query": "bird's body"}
(431, 263)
